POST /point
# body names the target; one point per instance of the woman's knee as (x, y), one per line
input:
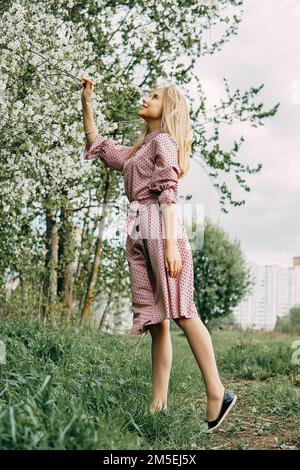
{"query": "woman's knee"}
(181, 322)
(159, 328)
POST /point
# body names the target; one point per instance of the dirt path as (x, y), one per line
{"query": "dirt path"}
(247, 431)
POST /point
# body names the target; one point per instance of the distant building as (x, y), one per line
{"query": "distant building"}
(276, 290)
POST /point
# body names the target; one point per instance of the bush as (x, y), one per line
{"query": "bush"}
(255, 360)
(289, 323)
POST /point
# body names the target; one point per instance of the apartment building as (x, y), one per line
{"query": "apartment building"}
(276, 289)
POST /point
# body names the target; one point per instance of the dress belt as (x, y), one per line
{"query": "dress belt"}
(134, 211)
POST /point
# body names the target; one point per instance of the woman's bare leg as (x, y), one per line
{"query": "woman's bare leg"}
(200, 342)
(161, 353)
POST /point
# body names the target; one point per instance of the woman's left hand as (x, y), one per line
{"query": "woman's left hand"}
(173, 260)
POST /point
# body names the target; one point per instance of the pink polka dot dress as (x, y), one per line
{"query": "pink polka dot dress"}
(151, 179)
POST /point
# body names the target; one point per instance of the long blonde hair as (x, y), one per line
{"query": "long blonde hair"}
(175, 121)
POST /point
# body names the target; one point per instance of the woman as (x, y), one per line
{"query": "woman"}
(160, 265)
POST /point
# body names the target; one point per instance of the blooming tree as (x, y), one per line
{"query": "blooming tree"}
(47, 191)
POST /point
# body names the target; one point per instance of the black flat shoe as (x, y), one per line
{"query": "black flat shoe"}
(228, 403)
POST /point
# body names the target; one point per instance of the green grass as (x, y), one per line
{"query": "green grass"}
(76, 388)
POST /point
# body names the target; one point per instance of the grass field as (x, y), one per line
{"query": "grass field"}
(81, 389)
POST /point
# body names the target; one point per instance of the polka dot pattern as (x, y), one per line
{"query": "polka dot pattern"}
(164, 179)
(151, 179)
(112, 153)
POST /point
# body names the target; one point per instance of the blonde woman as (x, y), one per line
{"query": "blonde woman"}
(157, 248)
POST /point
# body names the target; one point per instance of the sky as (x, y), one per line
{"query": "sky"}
(265, 50)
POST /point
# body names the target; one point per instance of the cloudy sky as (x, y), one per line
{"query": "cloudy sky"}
(265, 50)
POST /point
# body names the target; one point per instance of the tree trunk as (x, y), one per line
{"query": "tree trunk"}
(85, 220)
(89, 297)
(67, 263)
(69, 270)
(92, 281)
(101, 323)
(50, 280)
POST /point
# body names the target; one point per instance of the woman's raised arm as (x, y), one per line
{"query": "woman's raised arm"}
(88, 118)
(112, 153)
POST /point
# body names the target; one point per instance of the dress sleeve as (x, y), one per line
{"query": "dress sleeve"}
(164, 178)
(112, 153)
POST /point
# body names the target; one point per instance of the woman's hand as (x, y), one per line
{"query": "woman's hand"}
(87, 88)
(173, 260)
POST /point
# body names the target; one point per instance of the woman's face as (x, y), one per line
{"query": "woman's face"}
(152, 105)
